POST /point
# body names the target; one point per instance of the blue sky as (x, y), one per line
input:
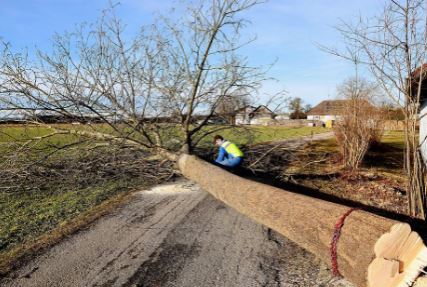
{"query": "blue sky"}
(286, 30)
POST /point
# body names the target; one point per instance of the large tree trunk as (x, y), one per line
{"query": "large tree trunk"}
(311, 223)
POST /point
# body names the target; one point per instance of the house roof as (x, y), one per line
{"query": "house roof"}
(262, 109)
(336, 107)
(328, 107)
(243, 109)
(252, 111)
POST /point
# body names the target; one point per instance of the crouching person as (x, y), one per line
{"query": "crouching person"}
(229, 154)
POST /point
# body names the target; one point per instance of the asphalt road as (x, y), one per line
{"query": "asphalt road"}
(174, 235)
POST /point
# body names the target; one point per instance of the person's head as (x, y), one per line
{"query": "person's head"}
(218, 140)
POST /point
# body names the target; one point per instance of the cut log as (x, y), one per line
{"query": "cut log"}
(382, 272)
(401, 246)
(397, 254)
(421, 282)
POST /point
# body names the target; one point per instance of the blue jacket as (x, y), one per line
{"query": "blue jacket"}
(221, 154)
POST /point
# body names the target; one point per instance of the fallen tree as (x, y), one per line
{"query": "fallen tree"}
(369, 250)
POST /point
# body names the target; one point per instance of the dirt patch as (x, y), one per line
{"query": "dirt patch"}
(369, 188)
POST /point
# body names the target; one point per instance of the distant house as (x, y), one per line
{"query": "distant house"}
(250, 115)
(262, 116)
(242, 116)
(328, 110)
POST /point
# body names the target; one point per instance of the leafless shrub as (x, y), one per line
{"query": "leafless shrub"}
(360, 123)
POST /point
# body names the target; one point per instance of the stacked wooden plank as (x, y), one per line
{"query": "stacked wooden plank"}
(371, 250)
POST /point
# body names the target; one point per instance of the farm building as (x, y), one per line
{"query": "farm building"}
(327, 111)
(250, 115)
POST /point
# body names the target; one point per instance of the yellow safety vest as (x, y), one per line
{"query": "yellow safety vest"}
(232, 149)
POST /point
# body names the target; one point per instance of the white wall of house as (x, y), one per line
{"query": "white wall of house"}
(242, 119)
(423, 130)
(328, 118)
(282, 117)
(322, 118)
(261, 121)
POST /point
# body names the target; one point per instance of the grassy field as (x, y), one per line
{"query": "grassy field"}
(27, 214)
(30, 211)
(257, 135)
(239, 134)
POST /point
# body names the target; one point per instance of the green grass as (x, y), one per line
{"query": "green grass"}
(33, 220)
(249, 135)
(14, 136)
(394, 139)
(26, 215)
(273, 133)
(241, 135)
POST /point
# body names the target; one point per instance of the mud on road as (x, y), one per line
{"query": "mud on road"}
(175, 235)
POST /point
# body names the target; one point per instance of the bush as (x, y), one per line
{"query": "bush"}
(360, 123)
